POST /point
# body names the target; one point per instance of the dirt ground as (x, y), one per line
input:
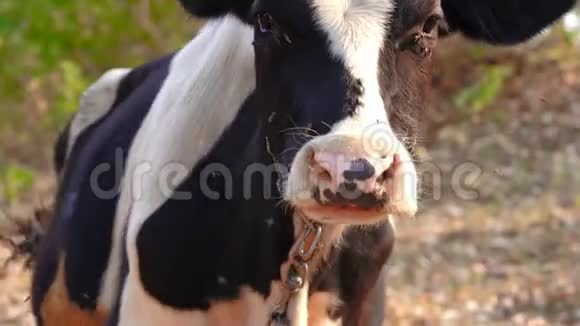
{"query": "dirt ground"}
(505, 252)
(14, 291)
(453, 265)
(472, 265)
(509, 253)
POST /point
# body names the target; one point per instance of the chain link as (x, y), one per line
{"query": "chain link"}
(298, 271)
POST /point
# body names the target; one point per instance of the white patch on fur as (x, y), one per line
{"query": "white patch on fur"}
(96, 101)
(356, 30)
(139, 309)
(257, 309)
(298, 307)
(207, 83)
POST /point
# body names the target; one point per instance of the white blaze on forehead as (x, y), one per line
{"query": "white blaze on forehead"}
(356, 30)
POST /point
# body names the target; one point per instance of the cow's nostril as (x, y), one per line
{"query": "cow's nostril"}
(323, 174)
(360, 170)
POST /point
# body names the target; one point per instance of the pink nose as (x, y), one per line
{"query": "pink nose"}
(338, 175)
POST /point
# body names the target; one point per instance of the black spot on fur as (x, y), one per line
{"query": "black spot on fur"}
(352, 100)
(503, 21)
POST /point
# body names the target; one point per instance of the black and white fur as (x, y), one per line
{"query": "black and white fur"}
(137, 256)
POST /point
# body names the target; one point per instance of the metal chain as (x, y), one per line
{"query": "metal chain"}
(298, 271)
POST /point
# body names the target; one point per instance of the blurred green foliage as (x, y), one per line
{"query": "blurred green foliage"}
(37, 36)
(492, 71)
(15, 180)
(476, 97)
(73, 85)
(52, 50)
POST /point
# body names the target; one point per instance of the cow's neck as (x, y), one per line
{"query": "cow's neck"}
(313, 244)
(331, 236)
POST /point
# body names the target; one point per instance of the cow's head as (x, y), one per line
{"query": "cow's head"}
(344, 82)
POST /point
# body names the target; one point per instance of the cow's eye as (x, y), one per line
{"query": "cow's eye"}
(421, 39)
(431, 24)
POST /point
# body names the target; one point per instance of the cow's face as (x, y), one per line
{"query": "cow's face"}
(344, 81)
(346, 76)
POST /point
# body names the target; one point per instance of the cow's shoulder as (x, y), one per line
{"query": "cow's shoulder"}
(108, 92)
(74, 252)
(95, 102)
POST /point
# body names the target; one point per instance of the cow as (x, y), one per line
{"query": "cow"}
(251, 177)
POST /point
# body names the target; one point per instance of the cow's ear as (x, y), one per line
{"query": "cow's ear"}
(215, 8)
(503, 21)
